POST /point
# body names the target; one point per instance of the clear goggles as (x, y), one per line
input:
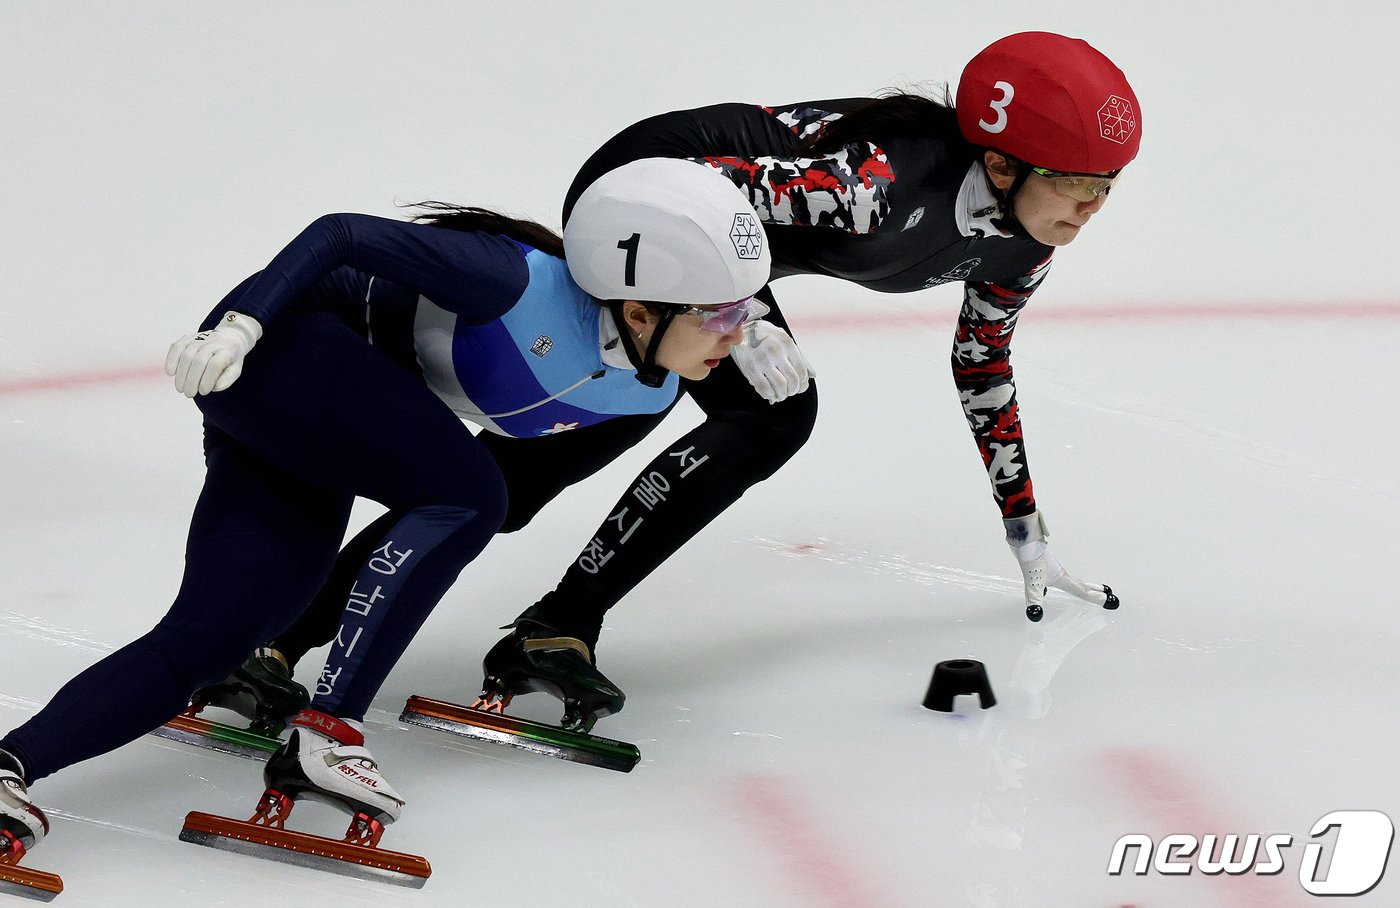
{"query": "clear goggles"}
(723, 318)
(1082, 187)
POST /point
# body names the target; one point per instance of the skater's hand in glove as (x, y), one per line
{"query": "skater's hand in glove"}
(212, 360)
(770, 360)
(1028, 537)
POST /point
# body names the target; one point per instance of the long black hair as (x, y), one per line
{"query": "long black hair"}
(897, 114)
(468, 218)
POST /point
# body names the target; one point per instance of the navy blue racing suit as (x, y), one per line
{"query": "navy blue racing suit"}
(379, 337)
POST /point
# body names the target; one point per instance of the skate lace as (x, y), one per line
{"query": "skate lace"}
(343, 754)
(555, 644)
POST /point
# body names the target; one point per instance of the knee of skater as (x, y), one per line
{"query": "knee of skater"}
(772, 438)
(484, 502)
(497, 509)
(495, 501)
(798, 417)
(478, 496)
(517, 516)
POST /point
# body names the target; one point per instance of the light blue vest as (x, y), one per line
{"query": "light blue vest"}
(538, 369)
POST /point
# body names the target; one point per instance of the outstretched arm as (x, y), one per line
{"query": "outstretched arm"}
(982, 372)
(987, 386)
(476, 275)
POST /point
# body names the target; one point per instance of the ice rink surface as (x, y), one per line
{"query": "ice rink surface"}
(1206, 381)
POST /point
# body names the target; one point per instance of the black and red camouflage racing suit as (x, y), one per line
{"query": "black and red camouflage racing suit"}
(928, 224)
(895, 214)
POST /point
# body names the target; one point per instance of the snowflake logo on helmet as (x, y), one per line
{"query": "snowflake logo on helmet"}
(1117, 120)
(746, 235)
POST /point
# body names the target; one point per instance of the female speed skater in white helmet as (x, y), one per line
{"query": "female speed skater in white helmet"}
(345, 368)
(896, 194)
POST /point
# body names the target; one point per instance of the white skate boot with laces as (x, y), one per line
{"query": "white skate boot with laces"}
(325, 760)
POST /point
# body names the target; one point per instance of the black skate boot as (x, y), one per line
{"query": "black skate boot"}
(261, 690)
(536, 657)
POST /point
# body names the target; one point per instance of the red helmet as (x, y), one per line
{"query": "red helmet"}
(1050, 101)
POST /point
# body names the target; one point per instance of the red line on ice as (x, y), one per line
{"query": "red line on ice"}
(876, 319)
(856, 319)
(64, 381)
(1179, 804)
(814, 862)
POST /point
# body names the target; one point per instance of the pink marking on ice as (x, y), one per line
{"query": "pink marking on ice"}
(1181, 803)
(65, 381)
(1129, 311)
(873, 318)
(811, 859)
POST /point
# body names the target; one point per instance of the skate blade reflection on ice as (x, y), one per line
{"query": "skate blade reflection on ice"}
(24, 881)
(538, 737)
(264, 836)
(191, 728)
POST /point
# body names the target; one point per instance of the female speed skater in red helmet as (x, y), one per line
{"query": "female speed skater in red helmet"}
(896, 194)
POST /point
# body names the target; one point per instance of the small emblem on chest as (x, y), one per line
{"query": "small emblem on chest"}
(542, 345)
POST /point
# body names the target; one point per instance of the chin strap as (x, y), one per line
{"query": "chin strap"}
(648, 372)
(1007, 221)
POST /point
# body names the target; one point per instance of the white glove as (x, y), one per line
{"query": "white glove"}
(212, 360)
(770, 360)
(1028, 537)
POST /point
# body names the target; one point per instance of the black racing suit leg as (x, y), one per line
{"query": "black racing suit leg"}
(742, 441)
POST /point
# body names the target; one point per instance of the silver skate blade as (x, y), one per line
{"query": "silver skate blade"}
(30, 884)
(303, 850)
(537, 737)
(227, 739)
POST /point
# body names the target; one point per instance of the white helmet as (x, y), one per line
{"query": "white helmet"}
(666, 230)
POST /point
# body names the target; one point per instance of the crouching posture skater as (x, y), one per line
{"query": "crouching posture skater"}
(341, 370)
(896, 194)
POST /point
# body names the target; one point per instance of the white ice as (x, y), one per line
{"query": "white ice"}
(1206, 379)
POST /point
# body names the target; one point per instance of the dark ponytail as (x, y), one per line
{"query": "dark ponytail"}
(470, 219)
(896, 115)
